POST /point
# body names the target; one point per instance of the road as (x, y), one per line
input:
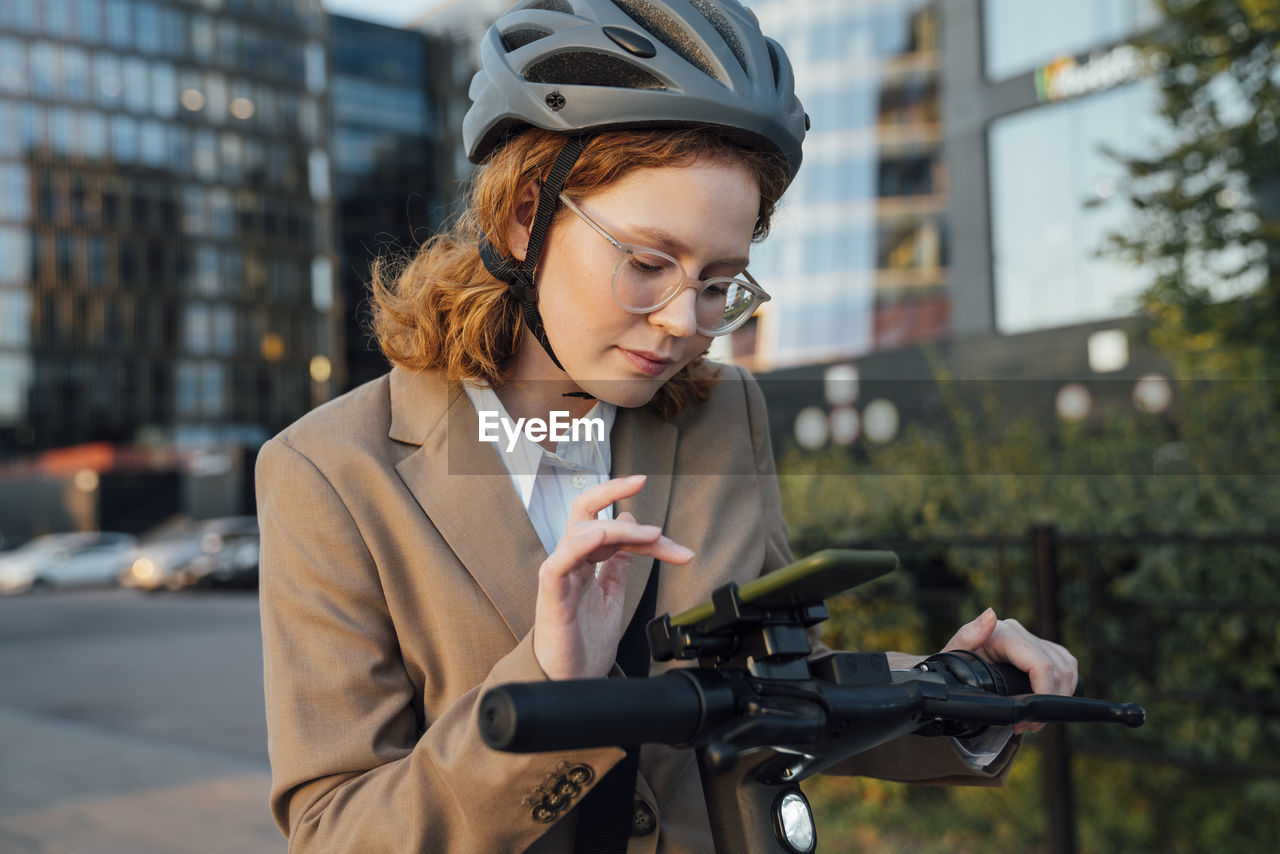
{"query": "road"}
(133, 723)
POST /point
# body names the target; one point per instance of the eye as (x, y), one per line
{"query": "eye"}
(647, 264)
(718, 290)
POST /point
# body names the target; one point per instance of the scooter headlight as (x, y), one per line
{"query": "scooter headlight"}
(793, 822)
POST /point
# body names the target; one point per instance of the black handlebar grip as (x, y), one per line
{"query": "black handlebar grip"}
(969, 669)
(578, 713)
(1009, 680)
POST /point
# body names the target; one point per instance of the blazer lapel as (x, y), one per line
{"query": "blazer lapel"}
(466, 492)
(643, 443)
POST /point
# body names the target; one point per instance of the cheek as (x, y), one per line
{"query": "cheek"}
(695, 347)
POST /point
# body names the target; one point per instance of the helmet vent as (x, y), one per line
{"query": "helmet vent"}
(552, 6)
(517, 38)
(773, 59)
(668, 31)
(718, 20)
(582, 68)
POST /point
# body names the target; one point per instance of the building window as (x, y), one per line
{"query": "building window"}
(1022, 34)
(16, 249)
(108, 79)
(195, 329)
(1045, 165)
(15, 319)
(15, 192)
(120, 23)
(15, 383)
(13, 66)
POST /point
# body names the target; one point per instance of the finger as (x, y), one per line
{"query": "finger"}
(612, 576)
(1051, 669)
(589, 504)
(663, 548)
(974, 634)
(587, 543)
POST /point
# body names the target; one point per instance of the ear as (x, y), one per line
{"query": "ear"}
(521, 222)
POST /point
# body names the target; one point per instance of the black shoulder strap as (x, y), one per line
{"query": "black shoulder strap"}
(604, 816)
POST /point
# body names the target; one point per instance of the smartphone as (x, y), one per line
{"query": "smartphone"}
(808, 581)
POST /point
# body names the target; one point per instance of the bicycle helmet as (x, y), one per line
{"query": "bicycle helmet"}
(584, 66)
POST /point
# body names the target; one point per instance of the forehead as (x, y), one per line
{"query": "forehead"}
(711, 203)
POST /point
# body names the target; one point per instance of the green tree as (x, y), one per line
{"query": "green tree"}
(1206, 208)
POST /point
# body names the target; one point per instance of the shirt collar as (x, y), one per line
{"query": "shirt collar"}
(525, 459)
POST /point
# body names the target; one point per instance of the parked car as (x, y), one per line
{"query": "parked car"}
(228, 560)
(196, 553)
(66, 560)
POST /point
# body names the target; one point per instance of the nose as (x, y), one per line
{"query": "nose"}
(678, 318)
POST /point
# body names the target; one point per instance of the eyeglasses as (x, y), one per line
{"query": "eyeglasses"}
(645, 280)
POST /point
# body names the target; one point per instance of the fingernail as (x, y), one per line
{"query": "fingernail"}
(685, 551)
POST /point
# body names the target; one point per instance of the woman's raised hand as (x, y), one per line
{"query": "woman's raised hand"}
(578, 622)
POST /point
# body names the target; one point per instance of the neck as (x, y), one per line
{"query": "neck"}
(535, 387)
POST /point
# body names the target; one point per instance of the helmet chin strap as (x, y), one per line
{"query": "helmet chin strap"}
(519, 275)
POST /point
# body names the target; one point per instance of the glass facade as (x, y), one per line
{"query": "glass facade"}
(857, 257)
(163, 177)
(1019, 35)
(1052, 205)
(386, 148)
(1053, 188)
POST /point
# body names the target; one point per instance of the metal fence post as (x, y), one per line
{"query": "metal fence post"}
(1054, 745)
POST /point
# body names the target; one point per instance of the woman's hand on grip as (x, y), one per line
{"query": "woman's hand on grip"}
(1050, 666)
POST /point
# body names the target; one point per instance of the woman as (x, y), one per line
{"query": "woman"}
(409, 563)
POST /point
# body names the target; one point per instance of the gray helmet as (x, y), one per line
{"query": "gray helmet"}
(587, 65)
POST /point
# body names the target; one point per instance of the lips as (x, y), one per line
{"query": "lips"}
(647, 363)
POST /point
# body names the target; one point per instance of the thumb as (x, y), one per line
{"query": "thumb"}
(974, 634)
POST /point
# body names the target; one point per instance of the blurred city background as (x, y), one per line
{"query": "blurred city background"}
(1025, 327)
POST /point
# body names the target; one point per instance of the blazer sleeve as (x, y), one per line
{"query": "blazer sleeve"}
(355, 767)
(911, 758)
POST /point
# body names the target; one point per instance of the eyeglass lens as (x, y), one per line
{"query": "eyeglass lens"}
(643, 281)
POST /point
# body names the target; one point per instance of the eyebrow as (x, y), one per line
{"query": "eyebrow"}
(667, 240)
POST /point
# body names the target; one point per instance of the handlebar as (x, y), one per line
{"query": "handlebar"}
(577, 713)
(851, 702)
(758, 687)
(759, 690)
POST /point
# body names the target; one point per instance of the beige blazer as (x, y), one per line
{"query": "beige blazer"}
(398, 574)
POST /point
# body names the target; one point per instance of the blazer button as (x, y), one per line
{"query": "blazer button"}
(580, 774)
(643, 821)
(565, 788)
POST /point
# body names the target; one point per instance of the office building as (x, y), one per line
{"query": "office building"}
(1036, 93)
(165, 221)
(1025, 97)
(166, 248)
(857, 258)
(391, 168)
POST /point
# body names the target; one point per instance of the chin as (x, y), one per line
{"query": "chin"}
(626, 393)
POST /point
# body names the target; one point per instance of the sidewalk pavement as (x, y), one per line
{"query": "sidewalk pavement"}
(71, 788)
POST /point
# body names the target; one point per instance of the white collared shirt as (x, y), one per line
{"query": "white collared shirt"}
(548, 482)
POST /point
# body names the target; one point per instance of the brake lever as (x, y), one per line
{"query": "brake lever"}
(980, 707)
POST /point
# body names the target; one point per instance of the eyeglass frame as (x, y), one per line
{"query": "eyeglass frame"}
(762, 296)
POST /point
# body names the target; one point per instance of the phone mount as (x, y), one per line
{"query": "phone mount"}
(761, 627)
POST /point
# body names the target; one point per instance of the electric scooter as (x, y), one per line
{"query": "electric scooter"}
(763, 713)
